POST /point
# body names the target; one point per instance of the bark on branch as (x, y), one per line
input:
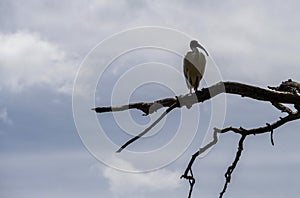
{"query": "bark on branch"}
(236, 88)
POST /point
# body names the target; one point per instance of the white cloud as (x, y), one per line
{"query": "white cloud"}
(251, 41)
(26, 60)
(124, 184)
(4, 117)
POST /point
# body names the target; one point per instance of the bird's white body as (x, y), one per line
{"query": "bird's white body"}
(193, 68)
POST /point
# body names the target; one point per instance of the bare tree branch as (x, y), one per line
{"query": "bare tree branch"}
(208, 93)
(190, 177)
(282, 108)
(233, 165)
(286, 93)
(262, 129)
(146, 107)
(287, 86)
(244, 133)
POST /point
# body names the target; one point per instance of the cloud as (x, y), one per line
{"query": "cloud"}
(252, 42)
(27, 60)
(4, 118)
(123, 184)
(243, 37)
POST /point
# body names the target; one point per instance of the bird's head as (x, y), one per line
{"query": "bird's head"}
(194, 44)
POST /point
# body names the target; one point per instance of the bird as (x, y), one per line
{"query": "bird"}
(194, 65)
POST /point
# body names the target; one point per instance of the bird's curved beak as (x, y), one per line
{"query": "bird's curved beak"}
(200, 46)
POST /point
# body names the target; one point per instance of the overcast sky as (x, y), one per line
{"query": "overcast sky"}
(43, 43)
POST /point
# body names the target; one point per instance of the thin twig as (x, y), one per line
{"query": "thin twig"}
(188, 169)
(148, 128)
(263, 129)
(233, 165)
(271, 134)
(199, 152)
(192, 181)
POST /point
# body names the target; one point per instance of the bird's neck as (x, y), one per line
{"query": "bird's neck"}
(194, 49)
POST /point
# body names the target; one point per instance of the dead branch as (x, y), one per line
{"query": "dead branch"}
(273, 96)
(190, 177)
(243, 132)
(286, 93)
(233, 165)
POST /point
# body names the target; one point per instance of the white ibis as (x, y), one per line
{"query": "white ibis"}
(194, 65)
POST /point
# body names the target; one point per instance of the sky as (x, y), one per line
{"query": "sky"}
(60, 58)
